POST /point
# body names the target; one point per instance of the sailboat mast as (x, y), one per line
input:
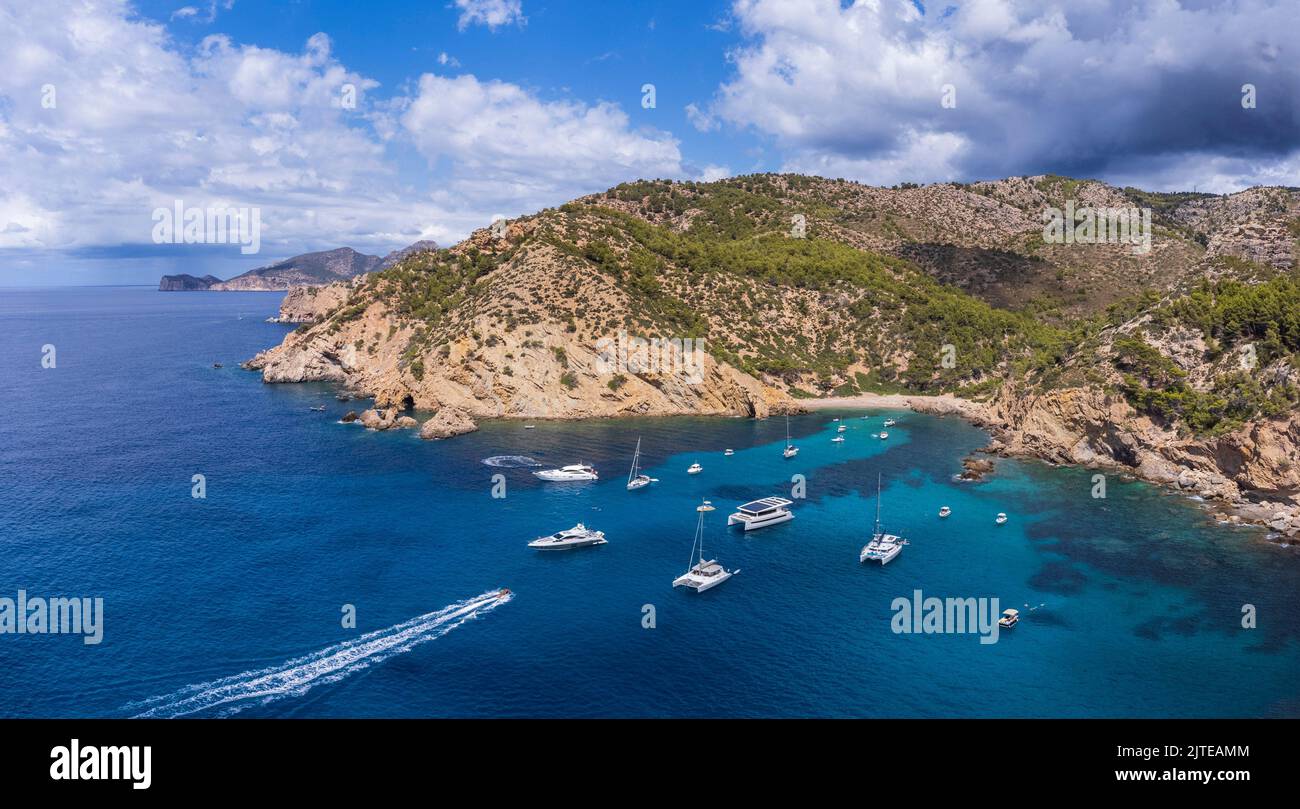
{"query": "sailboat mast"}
(877, 502)
(636, 460)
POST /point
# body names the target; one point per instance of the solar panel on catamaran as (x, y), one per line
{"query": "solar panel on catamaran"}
(766, 504)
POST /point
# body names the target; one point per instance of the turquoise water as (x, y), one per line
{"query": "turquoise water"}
(232, 604)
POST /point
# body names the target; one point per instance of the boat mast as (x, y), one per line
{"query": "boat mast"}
(787, 430)
(877, 504)
(636, 457)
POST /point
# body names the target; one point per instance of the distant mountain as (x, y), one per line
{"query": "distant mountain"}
(186, 283)
(422, 246)
(309, 269)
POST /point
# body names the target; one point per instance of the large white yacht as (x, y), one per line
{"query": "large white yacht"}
(577, 471)
(635, 478)
(883, 547)
(579, 536)
(762, 513)
(703, 573)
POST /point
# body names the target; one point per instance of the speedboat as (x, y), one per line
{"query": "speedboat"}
(579, 536)
(728, 452)
(839, 439)
(635, 478)
(1009, 618)
(694, 469)
(703, 574)
(790, 449)
(883, 435)
(762, 513)
(883, 547)
(945, 511)
(530, 426)
(319, 408)
(577, 471)
(1000, 519)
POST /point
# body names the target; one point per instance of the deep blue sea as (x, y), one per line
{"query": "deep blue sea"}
(232, 604)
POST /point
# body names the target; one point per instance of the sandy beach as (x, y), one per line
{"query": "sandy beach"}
(945, 403)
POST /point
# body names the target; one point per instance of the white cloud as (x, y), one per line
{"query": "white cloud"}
(511, 147)
(1079, 88)
(492, 13)
(138, 123)
(712, 172)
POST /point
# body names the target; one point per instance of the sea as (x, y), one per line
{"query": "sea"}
(258, 558)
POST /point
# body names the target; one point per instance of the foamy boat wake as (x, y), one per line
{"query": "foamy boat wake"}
(230, 695)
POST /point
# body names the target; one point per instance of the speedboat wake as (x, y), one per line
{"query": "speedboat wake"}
(511, 461)
(295, 677)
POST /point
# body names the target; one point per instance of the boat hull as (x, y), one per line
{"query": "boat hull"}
(753, 525)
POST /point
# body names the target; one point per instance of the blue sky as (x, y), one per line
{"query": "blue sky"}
(469, 109)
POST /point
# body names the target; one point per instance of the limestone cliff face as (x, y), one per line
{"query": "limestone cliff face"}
(1255, 469)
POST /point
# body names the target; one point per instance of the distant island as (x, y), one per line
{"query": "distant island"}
(307, 270)
(1176, 361)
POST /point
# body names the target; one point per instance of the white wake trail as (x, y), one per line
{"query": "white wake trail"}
(229, 695)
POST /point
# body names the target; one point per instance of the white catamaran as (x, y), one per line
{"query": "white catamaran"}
(883, 547)
(635, 479)
(790, 449)
(703, 574)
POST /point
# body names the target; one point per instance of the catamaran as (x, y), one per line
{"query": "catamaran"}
(762, 513)
(579, 536)
(702, 574)
(635, 479)
(790, 449)
(883, 547)
(577, 471)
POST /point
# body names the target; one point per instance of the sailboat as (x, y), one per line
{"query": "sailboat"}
(635, 479)
(883, 547)
(790, 449)
(702, 574)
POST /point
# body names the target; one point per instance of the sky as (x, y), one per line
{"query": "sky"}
(376, 124)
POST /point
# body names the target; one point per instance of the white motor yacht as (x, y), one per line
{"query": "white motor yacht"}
(694, 469)
(839, 439)
(883, 435)
(579, 536)
(890, 422)
(883, 547)
(728, 452)
(762, 513)
(945, 511)
(1000, 519)
(703, 574)
(577, 471)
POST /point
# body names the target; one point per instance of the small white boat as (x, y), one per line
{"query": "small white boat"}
(945, 511)
(762, 513)
(1001, 518)
(319, 408)
(579, 536)
(573, 472)
(703, 574)
(728, 452)
(1009, 618)
(530, 426)
(890, 422)
(883, 547)
(790, 449)
(883, 435)
(694, 469)
(841, 428)
(635, 479)
(839, 439)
